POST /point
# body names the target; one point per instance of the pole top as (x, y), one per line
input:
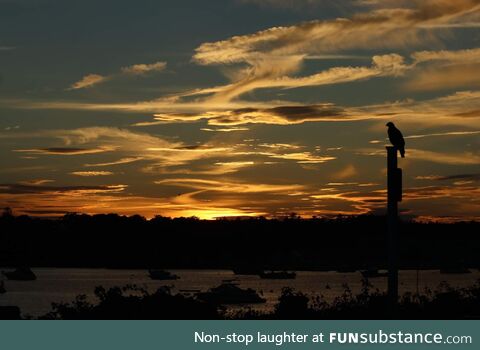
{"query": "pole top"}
(391, 151)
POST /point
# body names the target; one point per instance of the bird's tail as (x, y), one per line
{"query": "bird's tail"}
(402, 152)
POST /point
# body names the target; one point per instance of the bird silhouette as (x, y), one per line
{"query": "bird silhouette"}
(396, 138)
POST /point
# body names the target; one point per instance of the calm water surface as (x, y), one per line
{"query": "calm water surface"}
(63, 285)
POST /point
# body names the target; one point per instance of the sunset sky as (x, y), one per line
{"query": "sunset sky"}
(238, 107)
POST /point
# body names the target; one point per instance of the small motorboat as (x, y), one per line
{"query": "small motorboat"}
(20, 274)
(278, 275)
(230, 293)
(162, 275)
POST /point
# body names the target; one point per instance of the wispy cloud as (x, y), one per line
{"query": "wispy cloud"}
(437, 134)
(89, 81)
(140, 69)
(91, 173)
(468, 177)
(121, 161)
(282, 115)
(449, 133)
(461, 108)
(232, 129)
(129, 147)
(32, 189)
(442, 70)
(466, 158)
(447, 56)
(66, 151)
(304, 157)
(219, 168)
(230, 187)
(382, 28)
(275, 75)
(273, 54)
(36, 182)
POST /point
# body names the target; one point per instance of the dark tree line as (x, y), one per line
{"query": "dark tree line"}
(298, 244)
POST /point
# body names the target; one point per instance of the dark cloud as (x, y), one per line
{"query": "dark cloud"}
(65, 150)
(62, 150)
(295, 113)
(193, 147)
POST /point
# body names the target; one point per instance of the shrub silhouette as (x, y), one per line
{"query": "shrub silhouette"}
(130, 303)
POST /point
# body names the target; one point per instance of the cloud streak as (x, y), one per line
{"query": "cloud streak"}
(382, 28)
(66, 151)
(91, 173)
(141, 69)
(36, 189)
(465, 158)
(229, 187)
(271, 55)
(89, 81)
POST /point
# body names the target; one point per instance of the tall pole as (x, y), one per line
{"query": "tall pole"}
(394, 195)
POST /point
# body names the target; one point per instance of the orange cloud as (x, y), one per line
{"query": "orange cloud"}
(91, 173)
(89, 81)
(140, 69)
(230, 187)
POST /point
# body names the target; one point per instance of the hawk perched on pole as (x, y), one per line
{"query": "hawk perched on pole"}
(396, 138)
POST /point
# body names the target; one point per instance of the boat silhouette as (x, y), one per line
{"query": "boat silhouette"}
(278, 275)
(162, 275)
(20, 274)
(230, 293)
